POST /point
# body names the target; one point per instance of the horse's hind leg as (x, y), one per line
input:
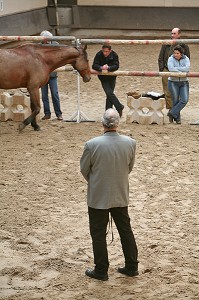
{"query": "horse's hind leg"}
(35, 125)
(21, 126)
(35, 108)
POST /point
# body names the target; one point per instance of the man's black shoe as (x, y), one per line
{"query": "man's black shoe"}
(127, 272)
(121, 111)
(91, 273)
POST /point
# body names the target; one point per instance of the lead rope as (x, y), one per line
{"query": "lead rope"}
(110, 227)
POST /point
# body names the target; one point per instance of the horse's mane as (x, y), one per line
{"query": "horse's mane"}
(50, 47)
(40, 45)
(47, 46)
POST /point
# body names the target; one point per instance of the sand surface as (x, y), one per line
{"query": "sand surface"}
(45, 245)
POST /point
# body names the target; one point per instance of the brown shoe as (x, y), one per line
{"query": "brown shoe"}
(46, 117)
(134, 94)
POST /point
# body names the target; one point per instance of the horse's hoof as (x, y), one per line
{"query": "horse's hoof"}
(37, 128)
(21, 127)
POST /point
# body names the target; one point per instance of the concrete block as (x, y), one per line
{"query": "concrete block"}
(16, 107)
(5, 104)
(145, 110)
(21, 107)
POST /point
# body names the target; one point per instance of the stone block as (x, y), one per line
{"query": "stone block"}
(5, 104)
(145, 110)
(20, 107)
(16, 107)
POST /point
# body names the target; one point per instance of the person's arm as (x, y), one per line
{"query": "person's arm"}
(173, 68)
(132, 161)
(96, 63)
(185, 68)
(161, 59)
(187, 51)
(115, 64)
(85, 163)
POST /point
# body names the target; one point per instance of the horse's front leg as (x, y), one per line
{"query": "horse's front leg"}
(35, 108)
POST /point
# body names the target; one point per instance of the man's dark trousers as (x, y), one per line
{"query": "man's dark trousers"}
(98, 221)
(108, 85)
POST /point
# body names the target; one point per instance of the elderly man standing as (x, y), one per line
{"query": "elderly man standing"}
(165, 52)
(106, 163)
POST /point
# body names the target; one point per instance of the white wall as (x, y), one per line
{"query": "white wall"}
(8, 7)
(150, 3)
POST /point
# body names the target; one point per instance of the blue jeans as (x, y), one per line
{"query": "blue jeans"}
(180, 95)
(52, 83)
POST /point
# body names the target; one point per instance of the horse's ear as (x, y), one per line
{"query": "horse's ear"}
(85, 47)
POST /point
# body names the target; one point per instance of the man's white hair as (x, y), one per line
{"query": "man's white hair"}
(46, 33)
(110, 118)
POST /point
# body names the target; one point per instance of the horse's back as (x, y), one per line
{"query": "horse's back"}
(18, 65)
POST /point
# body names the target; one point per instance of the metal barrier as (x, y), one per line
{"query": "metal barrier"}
(139, 42)
(99, 41)
(136, 73)
(37, 38)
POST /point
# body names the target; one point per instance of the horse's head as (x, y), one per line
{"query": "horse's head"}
(82, 65)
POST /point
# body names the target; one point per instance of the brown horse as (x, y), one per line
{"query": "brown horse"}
(29, 66)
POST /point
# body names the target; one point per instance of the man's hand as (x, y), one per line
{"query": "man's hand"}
(105, 67)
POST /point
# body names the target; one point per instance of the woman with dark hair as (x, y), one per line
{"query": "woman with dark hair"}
(178, 86)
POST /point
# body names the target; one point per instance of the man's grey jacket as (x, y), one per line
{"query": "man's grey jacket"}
(106, 163)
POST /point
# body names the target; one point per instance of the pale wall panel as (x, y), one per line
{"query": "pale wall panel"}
(8, 7)
(26, 23)
(135, 18)
(148, 3)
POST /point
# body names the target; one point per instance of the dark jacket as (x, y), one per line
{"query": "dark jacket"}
(166, 51)
(111, 60)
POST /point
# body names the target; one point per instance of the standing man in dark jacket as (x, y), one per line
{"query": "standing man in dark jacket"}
(107, 60)
(165, 52)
